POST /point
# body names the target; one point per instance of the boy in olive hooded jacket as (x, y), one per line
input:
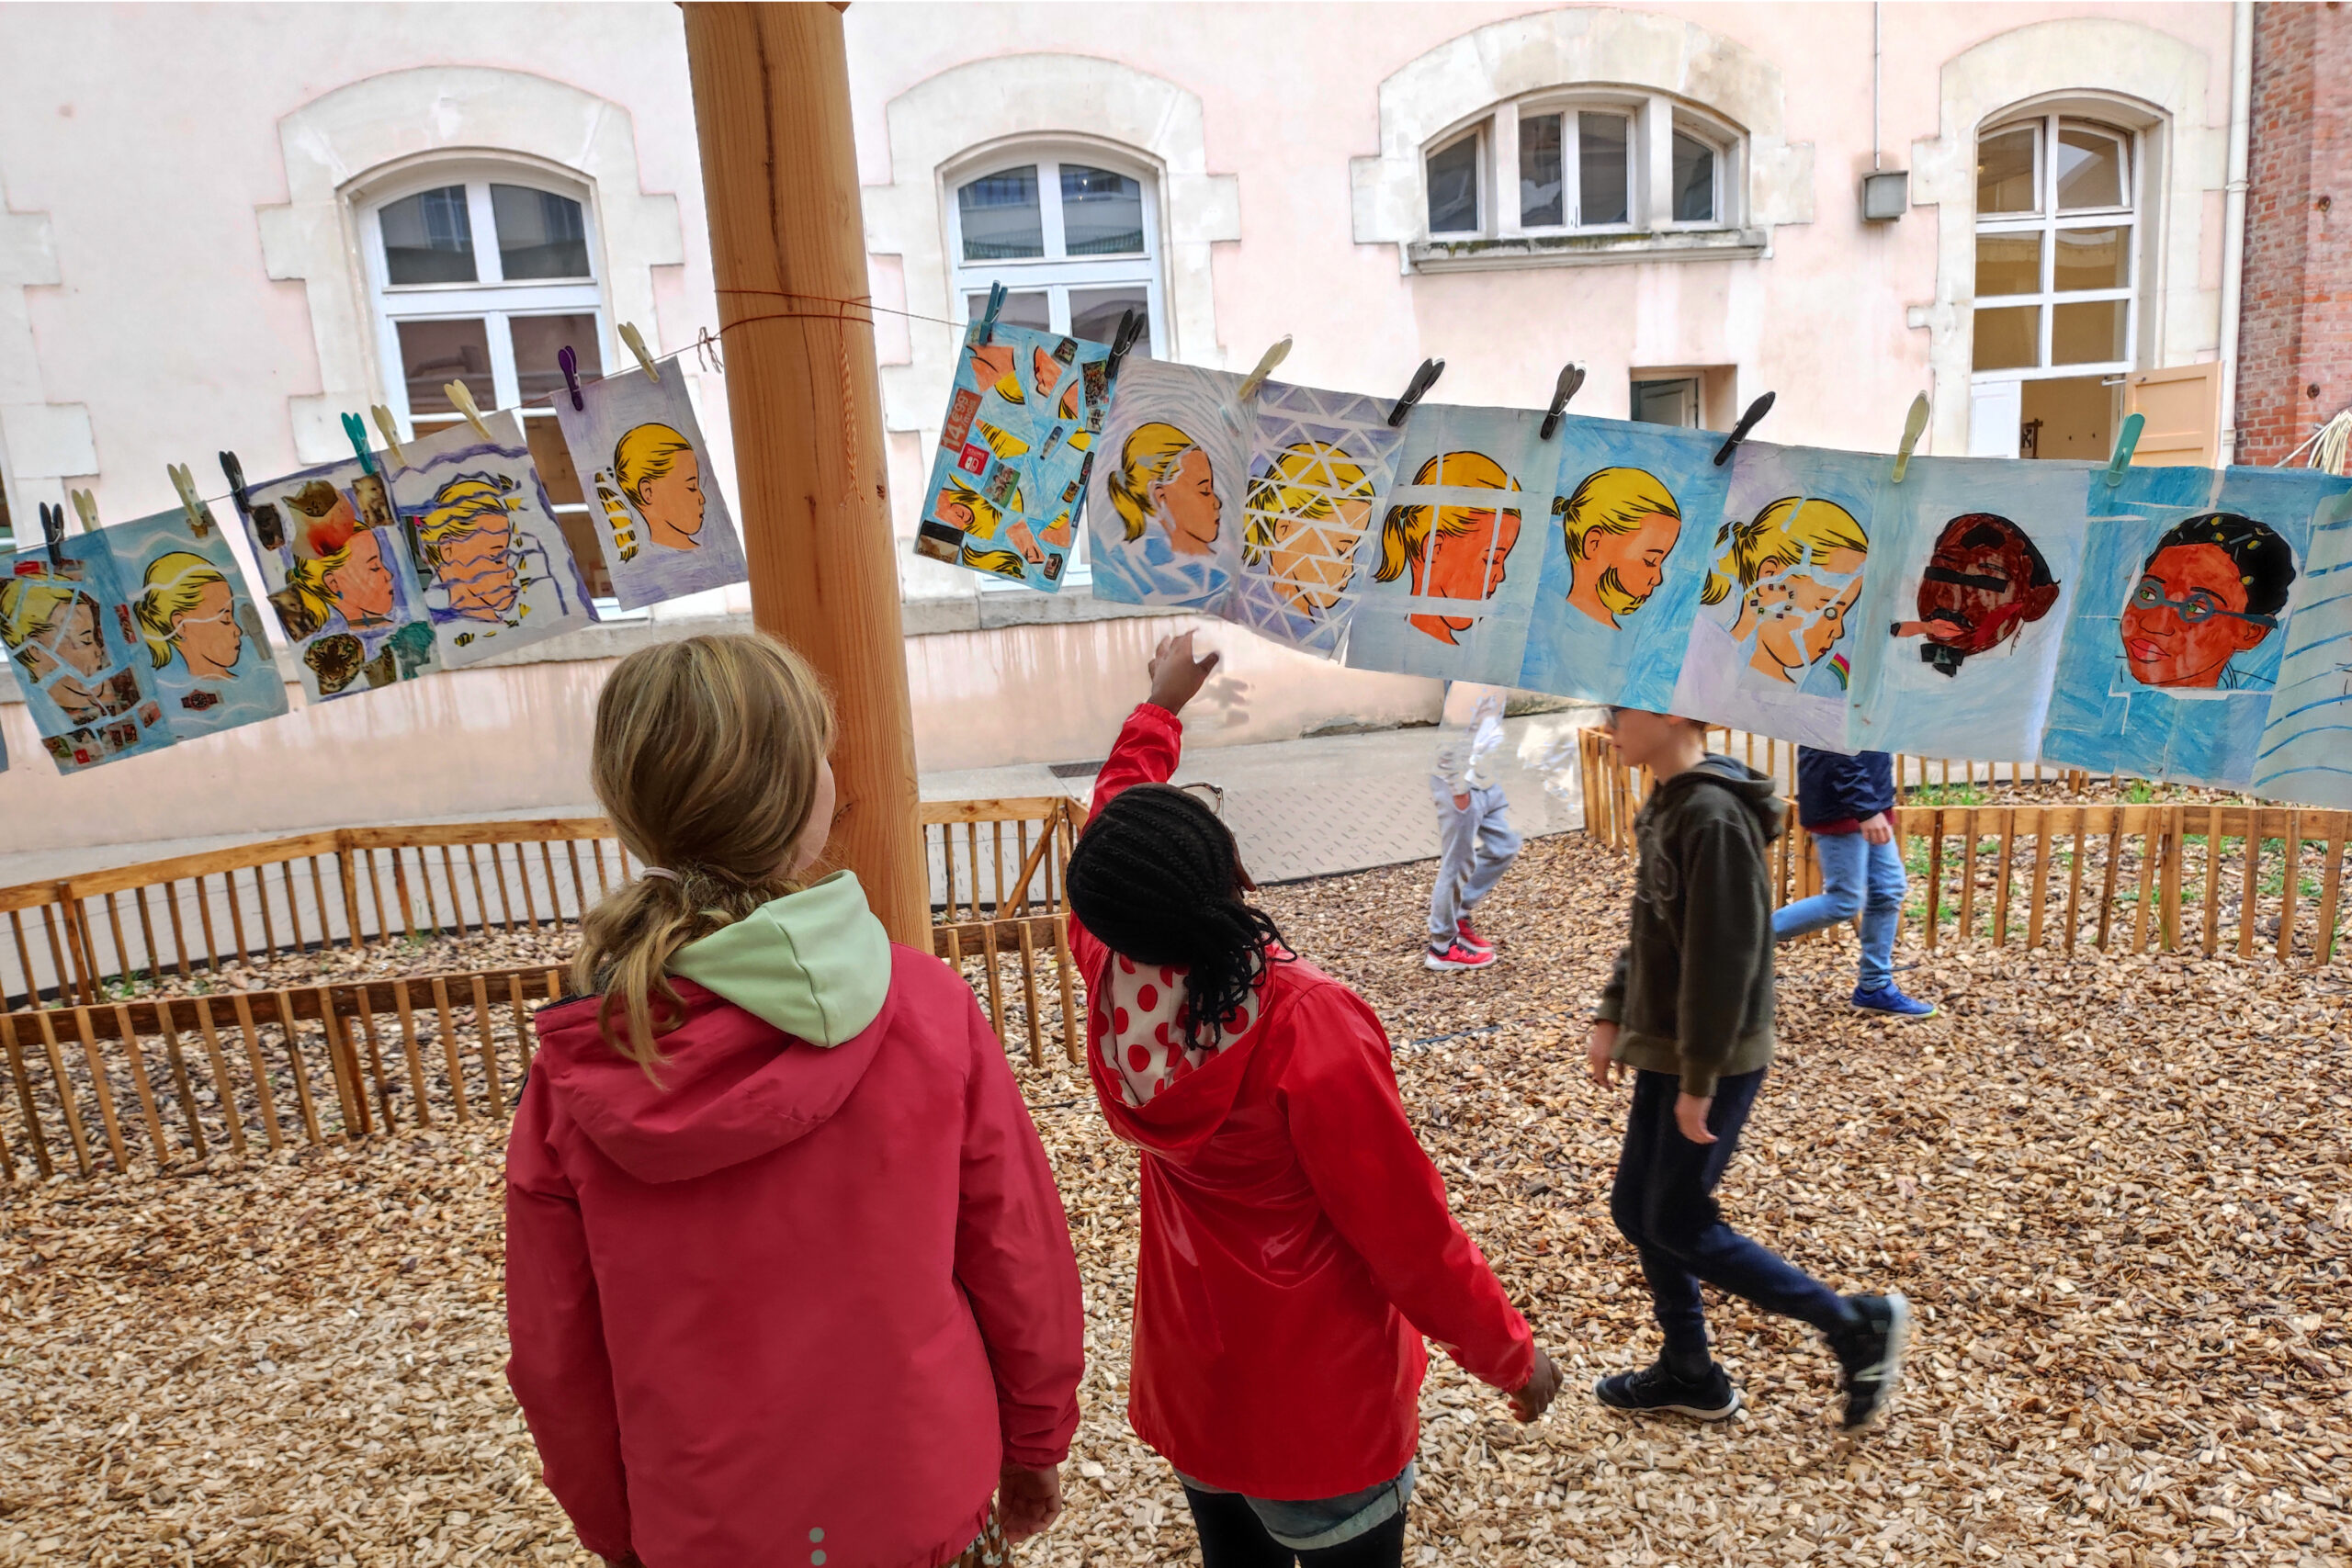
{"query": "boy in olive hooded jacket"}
(1689, 1009)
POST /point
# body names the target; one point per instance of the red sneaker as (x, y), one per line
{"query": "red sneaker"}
(1457, 955)
(1470, 937)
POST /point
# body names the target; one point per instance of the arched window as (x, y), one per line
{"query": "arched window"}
(1582, 160)
(1073, 236)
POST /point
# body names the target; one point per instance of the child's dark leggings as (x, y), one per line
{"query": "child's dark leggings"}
(1664, 1202)
(1232, 1537)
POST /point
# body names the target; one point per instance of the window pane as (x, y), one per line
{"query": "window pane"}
(540, 234)
(1000, 217)
(2008, 264)
(1666, 403)
(2008, 339)
(2093, 258)
(1020, 310)
(538, 339)
(1601, 175)
(1453, 188)
(553, 458)
(2004, 171)
(433, 354)
(2090, 169)
(1694, 180)
(428, 238)
(1102, 213)
(1094, 314)
(2089, 334)
(1539, 172)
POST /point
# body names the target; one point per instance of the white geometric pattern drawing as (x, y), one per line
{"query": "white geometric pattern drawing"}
(1321, 466)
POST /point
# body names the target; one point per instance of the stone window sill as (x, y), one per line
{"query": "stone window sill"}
(1585, 250)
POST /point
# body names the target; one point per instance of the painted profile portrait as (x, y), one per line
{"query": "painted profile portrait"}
(468, 535)
(1620, 525)
(960, 506)
(53, 630)
(2210, 591)
(1983, 585)
(186, 609)
(1798, 564)
(660, 473)
(1305, 515)
(1164, 478)
(1452, 551)
(338, 570)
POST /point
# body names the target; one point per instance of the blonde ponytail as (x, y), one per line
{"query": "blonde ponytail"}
(705, 759)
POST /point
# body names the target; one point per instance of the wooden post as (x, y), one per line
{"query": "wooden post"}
(779, 175)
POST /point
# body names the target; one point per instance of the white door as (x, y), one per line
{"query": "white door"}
(1996, 414)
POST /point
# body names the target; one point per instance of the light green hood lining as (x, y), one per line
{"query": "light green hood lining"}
(815, 963)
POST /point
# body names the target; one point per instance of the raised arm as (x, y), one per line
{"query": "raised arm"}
(1149, 746)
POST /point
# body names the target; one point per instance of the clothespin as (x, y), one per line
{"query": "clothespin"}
(1266, 363)
(1756, 411)
(2127, 441)
(53, 534)
(391, 432)
(356, 430)
(987, 314)
(1915, 424)
(199, 516)
(462, 397)
(1423, 379)
(85, 507)
(1131, 324)
(569, 363)
(635, 341)
(235, 474)
(1571, 377)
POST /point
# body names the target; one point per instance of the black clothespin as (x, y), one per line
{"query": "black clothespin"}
(1571, 377)
(267, 530)
(987, 316)
(1423, 379)
(570, 364)
(1131, 324)
(52, 534)
(1756, 411)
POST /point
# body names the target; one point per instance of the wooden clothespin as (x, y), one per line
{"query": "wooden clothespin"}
(635, 341)
(1423, 379)
(462, 398)
(2127, 441)
(1266, 363)
(1756, 411)
(85, 507)
(1571, 378)
(199, 516)
(391, 432)
(355, 430)
(1915, 424)
(569, 363)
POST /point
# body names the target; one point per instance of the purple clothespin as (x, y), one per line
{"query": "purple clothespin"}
(570, 363)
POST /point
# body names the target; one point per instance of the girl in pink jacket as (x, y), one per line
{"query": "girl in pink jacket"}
(787, 1280)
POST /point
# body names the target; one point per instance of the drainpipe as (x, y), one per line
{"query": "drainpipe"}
(2233, 217)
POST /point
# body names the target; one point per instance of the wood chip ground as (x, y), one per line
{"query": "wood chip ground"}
(2114, 1188)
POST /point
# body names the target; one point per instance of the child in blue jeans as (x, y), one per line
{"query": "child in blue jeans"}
(1843, 802)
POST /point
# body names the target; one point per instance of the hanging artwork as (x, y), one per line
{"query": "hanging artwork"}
(1956, 640)
(341, 578)
(496, 572)
(1008, 481)
(1164, 503)
(1320, 466)
(661, 523)
(1770, 651)
(1448, 581)
(1626, 553)
(2305, 751)
(2174, 639)
(207, 652)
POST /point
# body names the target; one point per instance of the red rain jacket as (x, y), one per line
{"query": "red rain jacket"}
(1296, 1243)
(798, 1295)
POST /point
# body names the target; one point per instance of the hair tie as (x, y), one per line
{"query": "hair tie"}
(657, 871)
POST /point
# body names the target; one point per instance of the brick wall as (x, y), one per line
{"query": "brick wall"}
(2295, 323)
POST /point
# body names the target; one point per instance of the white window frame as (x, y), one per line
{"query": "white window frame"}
(2048, 222)
(1649, 207)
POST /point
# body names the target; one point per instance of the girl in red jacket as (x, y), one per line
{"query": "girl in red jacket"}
(787, 1280)
(1296, 1244)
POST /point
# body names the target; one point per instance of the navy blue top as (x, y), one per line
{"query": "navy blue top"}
(1834, 787)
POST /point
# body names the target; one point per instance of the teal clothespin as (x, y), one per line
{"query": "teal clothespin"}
(988, 317)
(356, 428)
(1914, 424)
(2127, 441)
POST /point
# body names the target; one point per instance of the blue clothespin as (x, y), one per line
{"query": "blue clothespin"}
(356, 429)
(569, 363)
(1756, 411)
(1914, 424)
(987, 316)
(1571, 377)
(1423, 379)
(2127, 441)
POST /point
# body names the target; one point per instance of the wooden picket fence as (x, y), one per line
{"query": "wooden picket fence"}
(2242, 877)
(95, 1058)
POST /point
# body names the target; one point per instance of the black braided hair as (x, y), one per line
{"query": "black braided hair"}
(1156, 878)
(2266, 564)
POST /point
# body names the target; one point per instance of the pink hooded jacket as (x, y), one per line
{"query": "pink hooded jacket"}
(798, 1304)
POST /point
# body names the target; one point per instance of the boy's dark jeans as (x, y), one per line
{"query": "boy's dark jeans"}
(1664, 1202)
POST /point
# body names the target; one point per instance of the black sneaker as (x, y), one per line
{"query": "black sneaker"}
(1658, 1388)
(1871, 1357)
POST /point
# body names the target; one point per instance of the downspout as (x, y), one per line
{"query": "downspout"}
(2234, 218)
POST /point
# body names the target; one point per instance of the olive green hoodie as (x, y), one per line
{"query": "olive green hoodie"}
(1691, 993)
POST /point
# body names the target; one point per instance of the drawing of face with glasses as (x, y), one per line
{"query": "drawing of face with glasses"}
(2211, 590)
